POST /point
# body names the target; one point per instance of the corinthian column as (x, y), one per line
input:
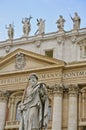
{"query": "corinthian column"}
(57, 108)
(3, 107)
(72, 115)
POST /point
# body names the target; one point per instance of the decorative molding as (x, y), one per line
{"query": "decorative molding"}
(82, 40)
(73, 89)
(60, 40)
(10, 124)
(38, 43)
(4, 95)
(7, 48)
(73, 39)
(58, 89)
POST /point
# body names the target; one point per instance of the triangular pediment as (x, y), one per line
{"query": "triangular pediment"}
(21, 60)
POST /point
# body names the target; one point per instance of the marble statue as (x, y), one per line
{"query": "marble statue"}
(60, 23)
(76, 21)
(26, 25)
(34, 106)
(41, 26)
(10, 31)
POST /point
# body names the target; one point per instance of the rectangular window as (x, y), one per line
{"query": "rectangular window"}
(49, 53)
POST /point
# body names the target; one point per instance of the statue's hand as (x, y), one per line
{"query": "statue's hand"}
(45, 126)
(38, 105)
(21, 106)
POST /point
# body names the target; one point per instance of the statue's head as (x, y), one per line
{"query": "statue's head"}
(76, 13)
(10, 25)
(33, 75)
(40, 19)
(60, 16)
(33, 79)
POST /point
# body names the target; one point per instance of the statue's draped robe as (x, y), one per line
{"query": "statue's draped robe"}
(35, 111)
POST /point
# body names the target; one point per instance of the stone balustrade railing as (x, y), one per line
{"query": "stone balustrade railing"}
(12, 124)
(83, 119)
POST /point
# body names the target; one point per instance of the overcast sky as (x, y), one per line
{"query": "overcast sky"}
(12, 11)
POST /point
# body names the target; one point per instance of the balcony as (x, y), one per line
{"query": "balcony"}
(12, 124)
(15, 125)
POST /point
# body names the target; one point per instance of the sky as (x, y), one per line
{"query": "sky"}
(12, 12)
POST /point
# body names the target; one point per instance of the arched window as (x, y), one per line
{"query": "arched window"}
(17, 112)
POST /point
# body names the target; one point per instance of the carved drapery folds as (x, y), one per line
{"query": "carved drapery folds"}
(60, 23)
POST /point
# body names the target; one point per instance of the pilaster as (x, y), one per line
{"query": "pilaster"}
(12, 101)
(72, 114)
(57, 107)
(3, 108)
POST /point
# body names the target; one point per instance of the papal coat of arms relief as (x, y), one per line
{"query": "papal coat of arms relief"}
(20, 61)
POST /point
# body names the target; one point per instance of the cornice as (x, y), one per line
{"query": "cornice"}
(30, 39)
(50, 67)
(75, 64)
(82, 39)
(47, 36)
(32, 55)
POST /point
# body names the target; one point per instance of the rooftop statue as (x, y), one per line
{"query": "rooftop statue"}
(10, 31)
(34, 106)
(26, 25)
(60, 23)
(41, 26)
(76, 21)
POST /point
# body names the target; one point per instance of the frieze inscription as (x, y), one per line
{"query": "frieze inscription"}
(13, 80)
(50, 75)
(74, 74)
(43, 76)
(23, 79)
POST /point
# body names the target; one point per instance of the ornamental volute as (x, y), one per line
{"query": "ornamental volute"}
(4, 95)
(58, 89)
(73, 89)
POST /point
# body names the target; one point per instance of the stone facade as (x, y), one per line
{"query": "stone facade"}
(64, 75)
(66, 46)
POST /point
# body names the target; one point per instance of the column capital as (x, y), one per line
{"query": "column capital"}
(4, 95)
(58, 89)
(73, 89)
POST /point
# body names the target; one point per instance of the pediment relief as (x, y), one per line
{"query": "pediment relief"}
(24, 60)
